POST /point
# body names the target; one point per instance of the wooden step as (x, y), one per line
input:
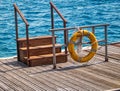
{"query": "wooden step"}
(35, 41)
(39, 50)
(46, 59)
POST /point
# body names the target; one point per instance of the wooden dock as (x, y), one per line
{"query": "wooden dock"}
(96, 75)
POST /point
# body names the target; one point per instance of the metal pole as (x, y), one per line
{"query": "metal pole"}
(54, 51)
(65, 37)
(93, 30)
(53, 38)
(27, 42)
(80, 27)
(106, 50)
(21, 15)
(52, 18)
(16, 28)
(62, 29)
(58, 12)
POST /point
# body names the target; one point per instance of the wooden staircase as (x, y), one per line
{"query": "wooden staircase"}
(40, 51)
(40, 48)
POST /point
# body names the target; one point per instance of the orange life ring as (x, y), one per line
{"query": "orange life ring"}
(73, 39)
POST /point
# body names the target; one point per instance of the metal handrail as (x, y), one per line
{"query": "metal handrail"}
(16, 10)
(80, 27)
(52, 26)
(19, 12)
(53, 6)
(70, 28)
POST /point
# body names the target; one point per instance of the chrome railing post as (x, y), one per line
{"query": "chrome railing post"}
(16, 10)
(93, 30)
(52, 17)
(27, 43)
(52, 6)
(54, 51)
(65, 37)
(16, 28)
(106, 48)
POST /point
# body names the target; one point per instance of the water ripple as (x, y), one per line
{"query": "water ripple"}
(37, 12)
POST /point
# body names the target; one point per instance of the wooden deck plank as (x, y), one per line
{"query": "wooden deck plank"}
(67, 81)
(18, 82)
(48, 83)
(68, 78)
(78, 79)
(103, 80)
(85, 67)
(5, 87)
(40, 84)
(58, 78)
(27, 85)
(59, 82)
(87, 79)
(7, 68)
(25, 81)
(96, 75)
(20, 74)
(115, 63)
(105, 75)
(116, 89)
(17, 73)
(116, 44)
(109, 66)
(10, 84)
(113, 52)
(1, 89)
(51, 75)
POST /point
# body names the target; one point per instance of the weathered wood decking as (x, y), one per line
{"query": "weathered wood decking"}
(95, 75)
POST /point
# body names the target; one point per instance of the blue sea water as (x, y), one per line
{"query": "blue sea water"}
(37, 12)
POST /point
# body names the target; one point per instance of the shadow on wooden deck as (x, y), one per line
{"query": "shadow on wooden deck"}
(95, 75)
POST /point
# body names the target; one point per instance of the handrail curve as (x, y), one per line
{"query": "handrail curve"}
(22, 16)
(55, 8)
(16, 10)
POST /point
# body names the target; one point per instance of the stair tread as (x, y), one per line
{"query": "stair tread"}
(41, 46)
(45, 56)
(32, 38)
